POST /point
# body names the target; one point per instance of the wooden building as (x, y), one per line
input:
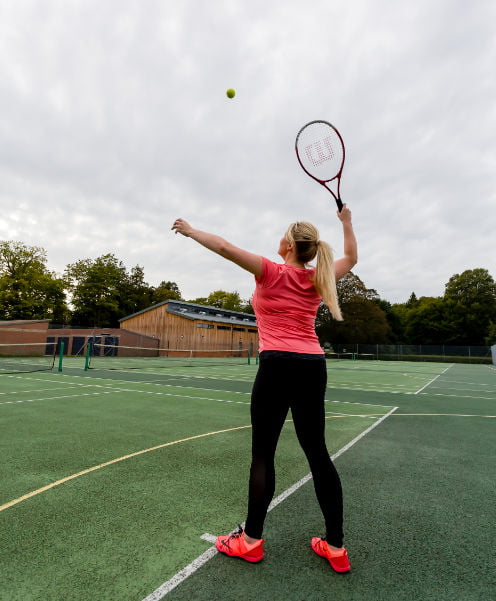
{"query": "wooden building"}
(188, 326)
(165, 327)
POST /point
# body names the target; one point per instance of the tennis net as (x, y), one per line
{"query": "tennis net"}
(106, 356)
(27, 357)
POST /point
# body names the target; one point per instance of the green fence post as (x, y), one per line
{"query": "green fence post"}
(87, 358)
(61, 355)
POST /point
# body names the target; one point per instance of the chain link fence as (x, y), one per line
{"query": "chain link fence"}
(410, 352)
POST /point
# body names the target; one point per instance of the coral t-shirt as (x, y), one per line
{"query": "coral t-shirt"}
(286, 303)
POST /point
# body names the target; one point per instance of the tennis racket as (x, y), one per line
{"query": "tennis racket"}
(320, 152)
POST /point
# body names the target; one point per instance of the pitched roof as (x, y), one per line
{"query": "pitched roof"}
(204, 312)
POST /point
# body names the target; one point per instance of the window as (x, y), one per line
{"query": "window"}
(206, 326)
(50, 346)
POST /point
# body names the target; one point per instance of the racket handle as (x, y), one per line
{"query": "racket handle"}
(340, 204)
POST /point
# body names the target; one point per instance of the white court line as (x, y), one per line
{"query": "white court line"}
(434, 379)
(75, 385)
(57, 398)
(381, 390)
(127, 382)
(350, 415)
(120, 391)
(116, 389)
(462, 389)
(357, 403)
(197, 563)
(460, 396)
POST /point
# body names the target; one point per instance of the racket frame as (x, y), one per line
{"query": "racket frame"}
(325, 182)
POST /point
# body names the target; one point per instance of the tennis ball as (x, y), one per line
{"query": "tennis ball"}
(230, 93)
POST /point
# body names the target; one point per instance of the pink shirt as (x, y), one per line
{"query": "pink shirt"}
(286, 304)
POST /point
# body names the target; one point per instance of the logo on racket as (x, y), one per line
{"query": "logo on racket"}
(322, 155)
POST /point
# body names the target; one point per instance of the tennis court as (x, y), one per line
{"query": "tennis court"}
(114, 482)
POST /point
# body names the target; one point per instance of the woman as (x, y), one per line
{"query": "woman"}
(292, 374)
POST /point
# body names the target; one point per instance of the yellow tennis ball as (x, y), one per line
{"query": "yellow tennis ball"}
(230, 93)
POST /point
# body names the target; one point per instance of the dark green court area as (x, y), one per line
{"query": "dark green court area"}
(110, 479)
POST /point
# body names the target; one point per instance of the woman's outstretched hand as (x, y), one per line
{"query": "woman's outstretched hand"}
(180, 226)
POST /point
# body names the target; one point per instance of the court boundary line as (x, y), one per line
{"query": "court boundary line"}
(110, 381)
(110, 388)
(372, 415)
(202, 559)
(434, 379)
(459, 396)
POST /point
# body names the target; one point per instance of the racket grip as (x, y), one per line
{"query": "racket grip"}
(340, 204)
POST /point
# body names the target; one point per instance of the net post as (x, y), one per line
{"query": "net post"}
(249, 357)
(87, 357)
(61, 354)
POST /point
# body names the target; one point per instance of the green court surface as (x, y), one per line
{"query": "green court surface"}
(110, 479)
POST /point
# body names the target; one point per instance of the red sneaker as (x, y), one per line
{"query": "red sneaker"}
(235, 545)
(338, 559)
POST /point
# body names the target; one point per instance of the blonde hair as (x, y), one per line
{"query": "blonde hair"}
(305, 238)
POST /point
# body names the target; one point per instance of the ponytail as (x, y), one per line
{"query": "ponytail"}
(325, 279)
(305, 237)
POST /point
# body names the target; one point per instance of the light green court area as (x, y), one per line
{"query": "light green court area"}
(109, 479)
(382, 376)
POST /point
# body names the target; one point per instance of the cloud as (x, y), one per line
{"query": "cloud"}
(113, 123)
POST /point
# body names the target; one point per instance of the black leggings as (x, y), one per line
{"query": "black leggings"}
(287, 381)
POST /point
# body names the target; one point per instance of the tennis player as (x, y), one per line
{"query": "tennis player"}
(291, 375)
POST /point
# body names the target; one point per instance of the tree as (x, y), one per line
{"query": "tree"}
(201, 300)
(393, 318)
(428, 322)
(491, 334)
(364, 320)
(135, 293)
(28, 290)
(351, 287)
(97, 288)
(412, 301)
(223, 300)
(471, 299)
(166, 291)
(247, 307)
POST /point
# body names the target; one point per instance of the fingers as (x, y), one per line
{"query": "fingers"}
(181, 226)
(344, 214)
(177, 224)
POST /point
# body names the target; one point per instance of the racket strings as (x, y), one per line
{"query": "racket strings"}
(320, 151)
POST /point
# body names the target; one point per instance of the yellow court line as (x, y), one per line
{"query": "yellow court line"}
(168, 444)
(107, 463)
(112, 461)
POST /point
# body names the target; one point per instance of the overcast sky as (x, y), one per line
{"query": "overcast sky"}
(114, 121)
